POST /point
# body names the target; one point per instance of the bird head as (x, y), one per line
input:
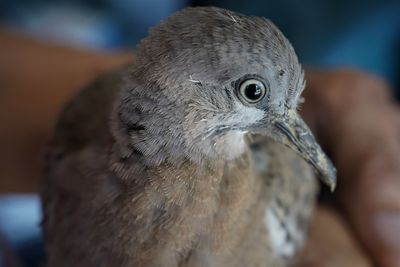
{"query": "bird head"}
(205, 78)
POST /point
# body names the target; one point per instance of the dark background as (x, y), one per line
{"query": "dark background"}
(359, 33)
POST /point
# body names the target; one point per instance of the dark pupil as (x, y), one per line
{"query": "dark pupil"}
(253, 91)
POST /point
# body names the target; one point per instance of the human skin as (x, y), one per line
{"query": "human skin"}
(352, 114)
(357, 121)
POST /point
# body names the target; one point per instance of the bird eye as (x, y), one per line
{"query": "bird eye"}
(252, 90)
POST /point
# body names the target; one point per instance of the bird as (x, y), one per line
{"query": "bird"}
(193, 154)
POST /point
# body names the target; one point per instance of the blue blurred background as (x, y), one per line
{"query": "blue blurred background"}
(359, 33)
(364, 34)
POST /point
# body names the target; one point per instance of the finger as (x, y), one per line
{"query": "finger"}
(373, 206)
(330, 243)
(370, 195)
(365, 143)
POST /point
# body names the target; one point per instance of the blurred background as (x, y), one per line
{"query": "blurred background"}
(50, 49)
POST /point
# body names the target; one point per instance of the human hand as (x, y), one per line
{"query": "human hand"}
(36, 80)
(356, 120)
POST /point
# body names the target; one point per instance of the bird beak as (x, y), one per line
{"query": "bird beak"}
(293, 132)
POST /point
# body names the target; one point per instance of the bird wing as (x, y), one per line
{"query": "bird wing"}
(79, 134)
(292, 189)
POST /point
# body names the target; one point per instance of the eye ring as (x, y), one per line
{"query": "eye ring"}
(252, 90)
